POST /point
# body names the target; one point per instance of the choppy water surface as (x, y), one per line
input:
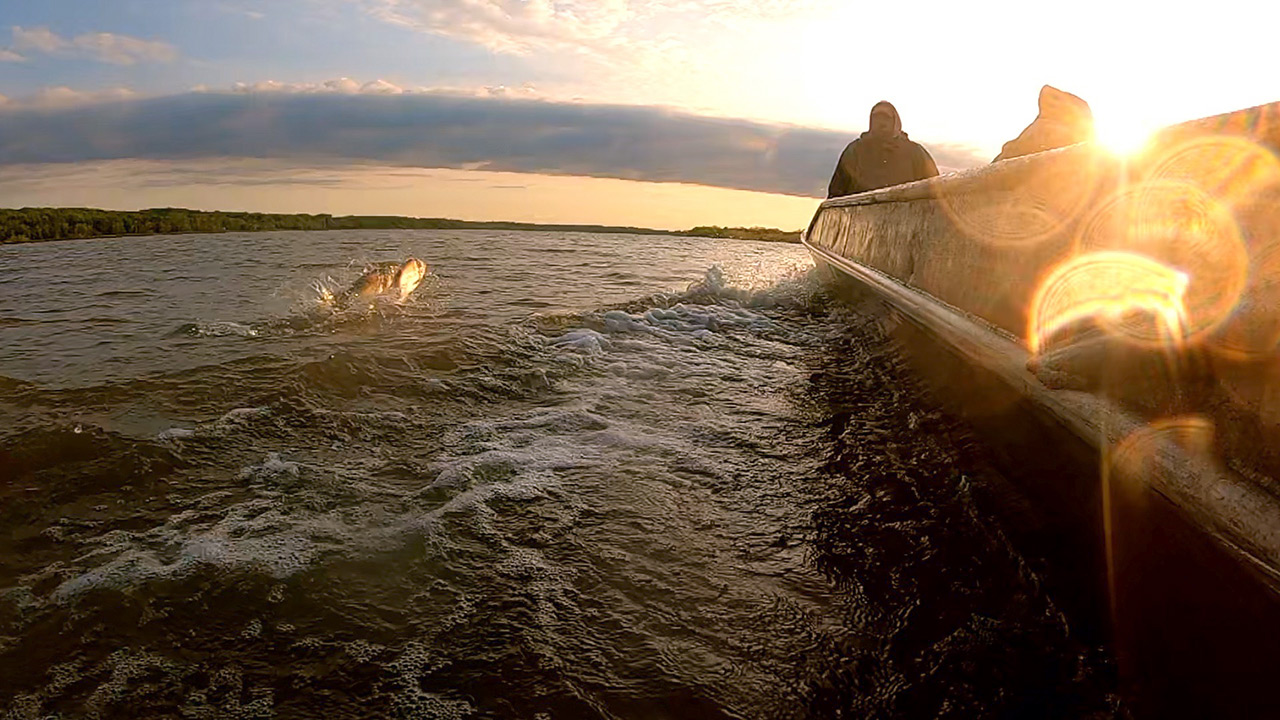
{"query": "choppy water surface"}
(574, 476)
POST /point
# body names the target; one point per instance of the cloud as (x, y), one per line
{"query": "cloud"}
(601, 27)
(238, 10)
(340, 86)
(142, 174)
(512, 26)
(61, 97)
(122, 49)
(39, 39)
(101, 46)
(440, 131)
(379, 86)
(7, 55)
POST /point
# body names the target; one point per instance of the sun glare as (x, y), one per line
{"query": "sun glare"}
(1123, 134)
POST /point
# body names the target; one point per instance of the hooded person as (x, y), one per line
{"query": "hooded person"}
(1064, 119)
(880, 157)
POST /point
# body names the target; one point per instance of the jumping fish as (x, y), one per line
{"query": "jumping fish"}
(382, 278)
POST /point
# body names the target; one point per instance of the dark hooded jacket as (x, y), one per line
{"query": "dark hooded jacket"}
(1064, 119)
(876, 161)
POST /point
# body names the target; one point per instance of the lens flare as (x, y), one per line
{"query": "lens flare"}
(1180, 227)
(1243, 177)
(1128, 464)
(1253, 386)
(1229, 169)
(1006, 217)
(1109, 285)
(1192, 434)
(1030, 202)
(1253, 330)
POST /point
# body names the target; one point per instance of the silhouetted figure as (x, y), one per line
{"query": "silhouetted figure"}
(1064, 119)
(880, 157)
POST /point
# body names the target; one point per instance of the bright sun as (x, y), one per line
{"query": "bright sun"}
(1123, 134)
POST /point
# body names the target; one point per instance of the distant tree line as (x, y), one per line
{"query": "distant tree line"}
(742, 233)
(34, 224)
(31, 224)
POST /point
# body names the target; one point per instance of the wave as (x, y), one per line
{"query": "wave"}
(216, 329)
(126, 293)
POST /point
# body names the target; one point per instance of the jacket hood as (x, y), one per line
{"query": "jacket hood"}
(1060, 105)
(897, 119)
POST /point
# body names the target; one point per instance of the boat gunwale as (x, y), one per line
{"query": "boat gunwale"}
(1230, 507)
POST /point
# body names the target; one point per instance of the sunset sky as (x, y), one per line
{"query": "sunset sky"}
(663, 113)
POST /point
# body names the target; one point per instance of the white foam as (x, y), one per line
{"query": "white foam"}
(416, 662)
(617, 321)
(223, 328)
(545, 583)
(300, 513)
(231, 421)
(654, 344)
(230, 543)
(272, 468)
(279, 531)
(583, 340)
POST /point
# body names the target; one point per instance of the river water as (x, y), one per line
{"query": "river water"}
(574, 476)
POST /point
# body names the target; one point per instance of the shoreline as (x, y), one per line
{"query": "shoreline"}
(30, 225)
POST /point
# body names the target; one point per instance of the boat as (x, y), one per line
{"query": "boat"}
(1110, 325)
